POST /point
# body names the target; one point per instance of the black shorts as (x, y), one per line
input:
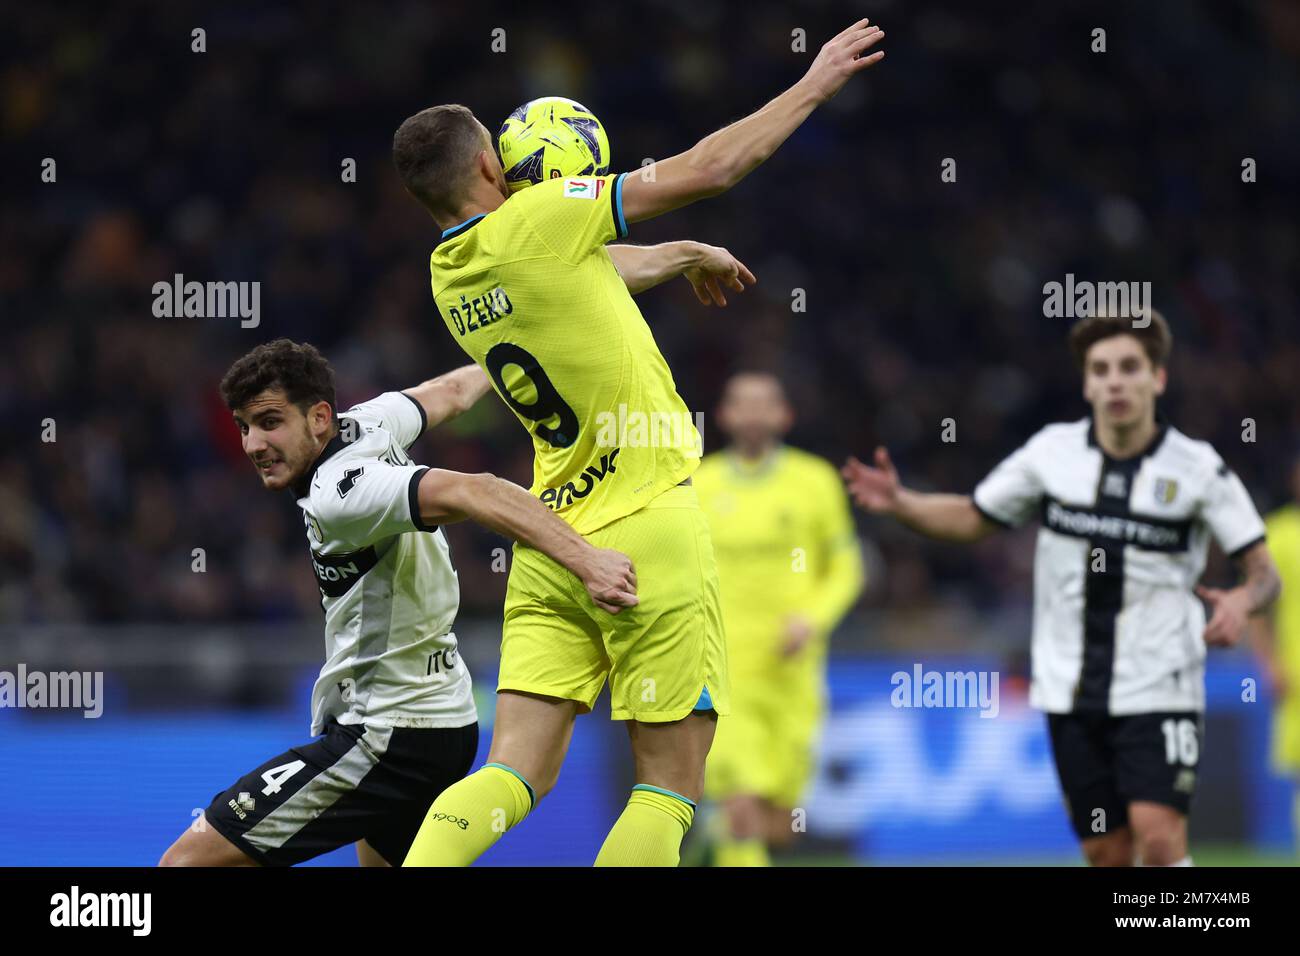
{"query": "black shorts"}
(1105, 763)
(354, 783)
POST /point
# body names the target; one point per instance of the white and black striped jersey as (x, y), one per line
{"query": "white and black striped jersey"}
(387, 585)
(1117, 627)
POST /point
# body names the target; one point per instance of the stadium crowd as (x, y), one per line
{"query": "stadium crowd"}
(889, 300)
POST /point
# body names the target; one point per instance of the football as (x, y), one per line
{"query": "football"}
(550, 138)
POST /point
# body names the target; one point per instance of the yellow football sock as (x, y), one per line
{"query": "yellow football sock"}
(732, 852)
(649, 832)
(469, 816)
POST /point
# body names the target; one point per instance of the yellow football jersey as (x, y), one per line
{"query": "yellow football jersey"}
(784, 542)
(532, 296)
(1283, 535)
(1282, 529)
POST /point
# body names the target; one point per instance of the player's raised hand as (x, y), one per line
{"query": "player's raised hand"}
(714, 269)
(1229, 612)
(610, 579)
(842, 56)
(873, 489)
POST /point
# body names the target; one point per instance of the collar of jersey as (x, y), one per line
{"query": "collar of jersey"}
(744, 471)
(1162, 429)
(302, 486)
(462, 227)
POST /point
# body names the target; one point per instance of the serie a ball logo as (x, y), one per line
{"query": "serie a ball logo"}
(551, 138)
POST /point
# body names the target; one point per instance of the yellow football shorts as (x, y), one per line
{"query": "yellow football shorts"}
(664, 658)
(768, 746)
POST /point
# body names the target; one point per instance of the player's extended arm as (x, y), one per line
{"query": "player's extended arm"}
(445, 497)
(448, 395)
(708, 268)
(1233, 606)
(722, 159)
(946, 517)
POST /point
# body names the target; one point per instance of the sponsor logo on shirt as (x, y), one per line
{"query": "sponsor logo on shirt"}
(563, 496)
(1149, 533)
(335, 574)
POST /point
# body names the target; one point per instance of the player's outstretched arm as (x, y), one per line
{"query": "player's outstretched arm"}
(722, 159)
(1231, 607)
(448, 395)
(946, 517)
(445, 497)
(709, 269)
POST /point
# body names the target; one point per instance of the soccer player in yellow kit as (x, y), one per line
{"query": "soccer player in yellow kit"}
(789, 567)
(1276, 639)
(527, 287)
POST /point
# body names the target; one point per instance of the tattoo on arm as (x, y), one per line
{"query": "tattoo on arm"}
(1261, 583)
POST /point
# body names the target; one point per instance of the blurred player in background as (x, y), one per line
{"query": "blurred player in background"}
(526, 286)
(393, 703)
(789, 569)
(1128, 505)
(1276, 638)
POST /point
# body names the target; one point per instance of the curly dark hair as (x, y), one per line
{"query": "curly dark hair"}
(298, 369)
(1156, 339)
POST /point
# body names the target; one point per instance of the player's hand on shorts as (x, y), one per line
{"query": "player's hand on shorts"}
(1230, 609)
(611, 580)
(872, 489)
(714, 269)
(842, 56)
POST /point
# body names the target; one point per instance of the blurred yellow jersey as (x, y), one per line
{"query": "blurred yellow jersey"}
(530, 293)
(1282, 529)
(785, 545)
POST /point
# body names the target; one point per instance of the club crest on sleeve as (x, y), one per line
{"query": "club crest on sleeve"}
(585, 188)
